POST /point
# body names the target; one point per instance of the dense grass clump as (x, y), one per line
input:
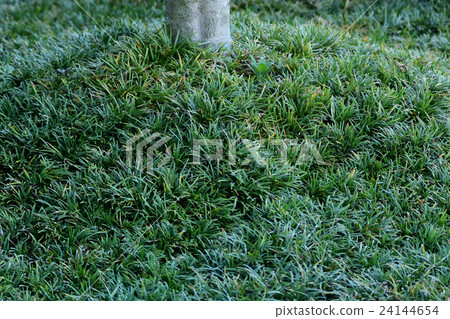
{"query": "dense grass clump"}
(78, 223)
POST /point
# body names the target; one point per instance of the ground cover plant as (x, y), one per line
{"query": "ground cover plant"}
(371, 89)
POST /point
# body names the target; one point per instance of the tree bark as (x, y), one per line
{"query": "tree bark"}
(204, 21)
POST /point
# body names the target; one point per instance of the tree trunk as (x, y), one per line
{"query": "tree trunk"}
(204, 21)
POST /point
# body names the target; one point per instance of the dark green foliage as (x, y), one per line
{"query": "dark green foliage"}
(77, 223)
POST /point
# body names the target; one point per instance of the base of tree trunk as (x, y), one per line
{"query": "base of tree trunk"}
(203, 21)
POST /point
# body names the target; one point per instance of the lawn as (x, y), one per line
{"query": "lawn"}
(370, 88)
